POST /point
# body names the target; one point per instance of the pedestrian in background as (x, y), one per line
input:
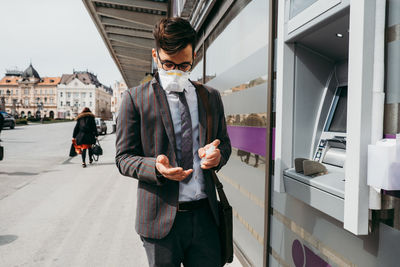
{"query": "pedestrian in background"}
(85, 134)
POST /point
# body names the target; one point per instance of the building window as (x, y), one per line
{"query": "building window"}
(8, 92)
(90, 94)
(61, 94)
(16, 91)
(26, 91)
(68, 94)
(45, 100)
(83, 104)
(26, 102)
(83, 95)
(90, 104)
(61, 103)
(68, 103)
(76, 95)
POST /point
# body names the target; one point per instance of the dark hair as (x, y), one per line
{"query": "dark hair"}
(86, 110)
(174, 34)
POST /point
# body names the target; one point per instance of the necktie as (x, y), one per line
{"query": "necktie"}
(186, 160)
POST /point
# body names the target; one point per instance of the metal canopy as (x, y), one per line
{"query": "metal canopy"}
(126, 27)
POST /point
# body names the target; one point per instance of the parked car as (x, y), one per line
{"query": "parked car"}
(101, 126)
(9, 120)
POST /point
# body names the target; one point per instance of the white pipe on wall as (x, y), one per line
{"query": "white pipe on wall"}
(378, 97)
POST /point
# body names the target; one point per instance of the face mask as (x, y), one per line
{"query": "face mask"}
(173, 80)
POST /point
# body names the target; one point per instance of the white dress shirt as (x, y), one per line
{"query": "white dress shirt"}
(195, 188)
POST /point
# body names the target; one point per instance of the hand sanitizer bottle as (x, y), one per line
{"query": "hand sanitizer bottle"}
(208, 152)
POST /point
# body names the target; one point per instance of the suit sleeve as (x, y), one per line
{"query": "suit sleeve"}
(222, 134)
(129, 152)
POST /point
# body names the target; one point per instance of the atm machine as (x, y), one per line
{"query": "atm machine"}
(327, 53)
(325, 191)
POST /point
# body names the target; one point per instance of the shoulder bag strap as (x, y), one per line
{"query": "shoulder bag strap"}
(204, 98)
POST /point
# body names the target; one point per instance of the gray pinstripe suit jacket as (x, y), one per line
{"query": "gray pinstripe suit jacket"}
(144, 131)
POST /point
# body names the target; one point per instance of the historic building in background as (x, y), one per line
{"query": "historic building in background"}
(26, 94)
(83, 89)
(118, 89)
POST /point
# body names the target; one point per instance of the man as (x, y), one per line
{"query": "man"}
(161, 136)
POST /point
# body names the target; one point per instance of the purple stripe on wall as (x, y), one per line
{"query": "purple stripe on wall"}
(250, 139)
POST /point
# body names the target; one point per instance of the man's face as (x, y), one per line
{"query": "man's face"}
(182, 58)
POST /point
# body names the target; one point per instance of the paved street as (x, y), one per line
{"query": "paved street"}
(55, 213)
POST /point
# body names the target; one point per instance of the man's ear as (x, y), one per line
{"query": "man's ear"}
(154, 54)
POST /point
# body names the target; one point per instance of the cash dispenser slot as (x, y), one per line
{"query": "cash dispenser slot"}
(332, 152)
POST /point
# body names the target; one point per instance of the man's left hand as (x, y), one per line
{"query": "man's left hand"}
(213, 159)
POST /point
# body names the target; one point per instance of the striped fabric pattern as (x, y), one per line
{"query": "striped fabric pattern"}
(144, 131)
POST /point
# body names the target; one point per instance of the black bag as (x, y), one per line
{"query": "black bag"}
(72, 151)
(1, 151)
(225, 228)
(97, 150)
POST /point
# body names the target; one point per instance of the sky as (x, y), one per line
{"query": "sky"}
(57, 36)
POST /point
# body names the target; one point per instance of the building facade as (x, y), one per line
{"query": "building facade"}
(118, 89)
(26, 94)
(82, 89)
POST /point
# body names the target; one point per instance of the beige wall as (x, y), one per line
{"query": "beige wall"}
(26, 96)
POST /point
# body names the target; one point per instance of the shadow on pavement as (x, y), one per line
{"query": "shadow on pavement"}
(9, 129)
(104, 164)
(20, 173)
(6, 239)
(8, 141)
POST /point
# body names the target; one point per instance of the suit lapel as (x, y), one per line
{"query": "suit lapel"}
(165, 113)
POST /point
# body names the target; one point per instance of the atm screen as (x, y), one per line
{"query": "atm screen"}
(339, 109)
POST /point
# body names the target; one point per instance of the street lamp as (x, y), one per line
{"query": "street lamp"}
(13, 109)
(17, 105)
(39, 107)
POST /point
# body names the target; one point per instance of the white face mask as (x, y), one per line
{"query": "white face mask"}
(173, 80)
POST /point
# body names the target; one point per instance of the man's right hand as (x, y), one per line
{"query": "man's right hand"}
(169, 172)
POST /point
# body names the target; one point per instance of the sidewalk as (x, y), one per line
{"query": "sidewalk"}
(71, 216)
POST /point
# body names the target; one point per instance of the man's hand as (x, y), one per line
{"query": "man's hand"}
(169, 172)
(213, 159)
